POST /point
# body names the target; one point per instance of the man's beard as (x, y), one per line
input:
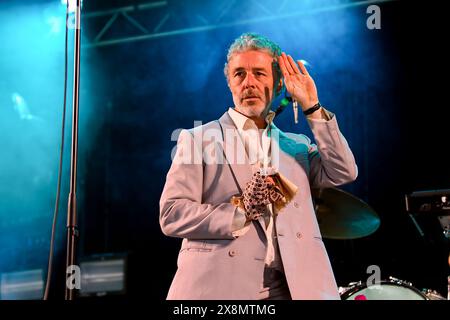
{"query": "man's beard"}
(252, 108)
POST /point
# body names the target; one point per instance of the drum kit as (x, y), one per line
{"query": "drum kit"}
(391, 289)
(345, 217)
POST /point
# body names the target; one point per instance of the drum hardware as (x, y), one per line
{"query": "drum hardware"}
(343, 216)
(445, 224)
(433, 294)
(342, 290)
(391, 289)
(430, 213)
(425, 207)
(400, 282)
(447, 233)
(448, 283)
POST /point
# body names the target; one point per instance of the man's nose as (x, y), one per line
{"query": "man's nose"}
(249, 80)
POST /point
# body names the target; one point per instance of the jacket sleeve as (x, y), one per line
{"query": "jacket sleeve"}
(331, 161)
(182, 213)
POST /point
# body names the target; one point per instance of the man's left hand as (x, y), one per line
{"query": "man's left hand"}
(298, 83)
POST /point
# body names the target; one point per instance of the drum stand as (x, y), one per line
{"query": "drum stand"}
(424, 208)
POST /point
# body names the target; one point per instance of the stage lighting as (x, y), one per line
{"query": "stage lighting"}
(103, 275)
(22, 285)
(305, 63)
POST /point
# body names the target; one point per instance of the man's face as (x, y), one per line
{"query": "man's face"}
(251, 81)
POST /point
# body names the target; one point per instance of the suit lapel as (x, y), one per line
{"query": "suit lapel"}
(280, 159)
(235, 153)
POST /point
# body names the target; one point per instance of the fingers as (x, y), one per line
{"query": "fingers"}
(293, 66)
(302, 67)
(270, 181)
(282, 65)
(289, 67)
(287, 64)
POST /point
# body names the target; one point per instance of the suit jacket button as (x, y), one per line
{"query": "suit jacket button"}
(232, 253)
(299, 235)
(296, 204)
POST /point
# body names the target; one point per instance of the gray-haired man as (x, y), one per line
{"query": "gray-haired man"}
(249, 228)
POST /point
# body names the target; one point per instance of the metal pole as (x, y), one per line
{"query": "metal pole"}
(72, 228)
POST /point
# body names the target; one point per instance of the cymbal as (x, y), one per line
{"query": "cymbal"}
(342, 215)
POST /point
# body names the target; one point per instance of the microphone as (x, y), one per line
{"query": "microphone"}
(295, 107)
(283, 104)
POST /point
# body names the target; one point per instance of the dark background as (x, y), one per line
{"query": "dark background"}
(387, 88)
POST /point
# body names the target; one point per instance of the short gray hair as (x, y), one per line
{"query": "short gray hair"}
(253, 41)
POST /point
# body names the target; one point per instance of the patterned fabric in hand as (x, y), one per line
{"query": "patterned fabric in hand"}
(259, 192)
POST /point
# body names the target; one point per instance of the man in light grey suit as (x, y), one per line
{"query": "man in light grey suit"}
(238, 191)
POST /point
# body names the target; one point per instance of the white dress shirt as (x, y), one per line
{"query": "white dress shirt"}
(257, 146)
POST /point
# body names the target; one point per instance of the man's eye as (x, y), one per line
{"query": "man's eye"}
(239, 74)
(259, 73)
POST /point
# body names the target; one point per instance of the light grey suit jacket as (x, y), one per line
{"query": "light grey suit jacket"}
(195, 205)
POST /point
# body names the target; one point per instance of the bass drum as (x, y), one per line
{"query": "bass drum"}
(384, 290)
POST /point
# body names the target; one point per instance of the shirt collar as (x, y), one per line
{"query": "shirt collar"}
(243, 123)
